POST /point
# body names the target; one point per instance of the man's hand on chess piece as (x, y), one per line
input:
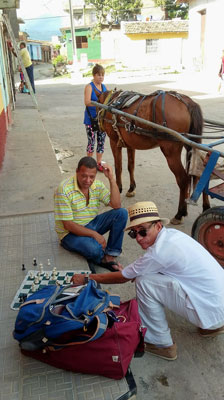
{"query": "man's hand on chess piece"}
(78, 279)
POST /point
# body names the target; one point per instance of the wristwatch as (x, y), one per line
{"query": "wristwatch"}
(86, 279)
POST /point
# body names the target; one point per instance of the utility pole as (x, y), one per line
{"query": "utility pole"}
(74, 52)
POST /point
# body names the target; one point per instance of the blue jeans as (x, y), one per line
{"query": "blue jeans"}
(113, 221)
(29, 71)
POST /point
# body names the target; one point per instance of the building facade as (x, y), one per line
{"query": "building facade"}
(6, 87)
(84, 44)
(205, 42)
(153, 44)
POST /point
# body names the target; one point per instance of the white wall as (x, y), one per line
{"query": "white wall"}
(213, 41)
(110, 48)
(133, 53)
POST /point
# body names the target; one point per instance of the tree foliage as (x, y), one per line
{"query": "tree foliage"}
(110, 12)
(173, 9)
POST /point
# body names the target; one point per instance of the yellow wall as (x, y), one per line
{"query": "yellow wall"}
(156, 35)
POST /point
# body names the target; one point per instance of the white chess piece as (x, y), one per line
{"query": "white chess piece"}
(68, 279)
(48, 261)
(36, 280)
(31, 275)
(47, 275)
(54, 276)
(33, 287)
(41, 269)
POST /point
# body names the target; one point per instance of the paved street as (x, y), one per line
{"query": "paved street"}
(27, 180)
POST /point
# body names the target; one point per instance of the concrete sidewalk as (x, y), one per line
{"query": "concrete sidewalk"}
(30, 171)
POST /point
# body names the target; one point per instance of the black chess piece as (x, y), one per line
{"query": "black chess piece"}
(34, 262)
(23, 267)
(24, 296)
(21, 298)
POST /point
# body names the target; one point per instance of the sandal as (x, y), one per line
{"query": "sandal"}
(109, 265)
(99, 167)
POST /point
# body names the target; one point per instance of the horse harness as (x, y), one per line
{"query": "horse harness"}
(126, 99)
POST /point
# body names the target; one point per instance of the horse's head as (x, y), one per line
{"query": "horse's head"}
(106, 96)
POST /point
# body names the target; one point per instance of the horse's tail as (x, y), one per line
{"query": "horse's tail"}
(196, 128)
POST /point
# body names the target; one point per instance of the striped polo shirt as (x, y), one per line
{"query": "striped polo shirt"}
(70, 203)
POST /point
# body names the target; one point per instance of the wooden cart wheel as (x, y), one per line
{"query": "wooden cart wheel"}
(208, 229)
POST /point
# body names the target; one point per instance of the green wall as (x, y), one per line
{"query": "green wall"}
(94, 46)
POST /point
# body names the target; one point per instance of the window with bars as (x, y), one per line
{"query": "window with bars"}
(151, 45)
(81, 42)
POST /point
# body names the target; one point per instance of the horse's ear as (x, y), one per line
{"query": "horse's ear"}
(115, 89)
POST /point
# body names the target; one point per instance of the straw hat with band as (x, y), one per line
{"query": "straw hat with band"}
(144, 211)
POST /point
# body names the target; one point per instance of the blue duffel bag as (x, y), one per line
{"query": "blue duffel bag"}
(54, 311)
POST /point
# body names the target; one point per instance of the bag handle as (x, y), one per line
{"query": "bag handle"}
(101, 326)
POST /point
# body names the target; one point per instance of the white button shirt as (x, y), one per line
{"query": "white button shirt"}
(201, 277)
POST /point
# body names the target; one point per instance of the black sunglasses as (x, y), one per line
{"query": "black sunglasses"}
(142, 232)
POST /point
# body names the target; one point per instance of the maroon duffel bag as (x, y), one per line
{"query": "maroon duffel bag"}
(110, 355)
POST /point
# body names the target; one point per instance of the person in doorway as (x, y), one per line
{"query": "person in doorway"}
(27, 63)
(175, 272)
(79, 226)
(221, 72)
(90, 116)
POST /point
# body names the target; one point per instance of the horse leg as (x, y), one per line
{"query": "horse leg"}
(117, 153)
(173, 157)
(205, 201)
(131, 168)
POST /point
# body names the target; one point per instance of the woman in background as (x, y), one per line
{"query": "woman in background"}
(92, 128)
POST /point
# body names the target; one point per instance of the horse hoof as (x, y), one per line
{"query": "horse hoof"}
(130, 194)
(175, 221)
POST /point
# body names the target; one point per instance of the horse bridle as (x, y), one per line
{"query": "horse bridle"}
(102, 112)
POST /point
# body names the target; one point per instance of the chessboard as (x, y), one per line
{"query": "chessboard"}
(35, 280)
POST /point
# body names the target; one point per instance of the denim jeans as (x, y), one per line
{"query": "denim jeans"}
(113, 221)
(29, 71)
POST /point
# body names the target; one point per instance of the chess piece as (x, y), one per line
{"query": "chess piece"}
(54, 270)
(46, 275)
(53, 276)
(24, 296)
(49, 262)
(41, 269)
(31, 275)
(38, 274)
(33, 288)
(36, 280)
(34, 262)
(23, 267)
(67, 279)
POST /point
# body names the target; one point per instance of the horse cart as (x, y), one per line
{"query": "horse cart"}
(208, 228)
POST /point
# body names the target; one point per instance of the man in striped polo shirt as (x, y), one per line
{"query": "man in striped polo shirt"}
(79, 226)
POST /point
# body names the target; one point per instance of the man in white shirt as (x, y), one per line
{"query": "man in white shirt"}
(175, 272)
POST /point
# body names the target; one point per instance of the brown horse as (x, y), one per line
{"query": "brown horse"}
(170, 109)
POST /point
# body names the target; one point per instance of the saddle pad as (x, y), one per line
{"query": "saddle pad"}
(131, 100)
